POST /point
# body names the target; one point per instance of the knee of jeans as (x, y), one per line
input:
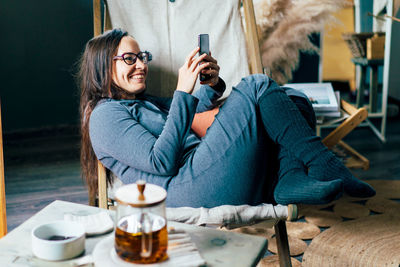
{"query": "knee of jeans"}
(260, 83)
(257, 79)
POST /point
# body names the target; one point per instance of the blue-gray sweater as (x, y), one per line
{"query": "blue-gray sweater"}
(150, 138)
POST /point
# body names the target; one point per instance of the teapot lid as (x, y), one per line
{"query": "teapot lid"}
(141, 194)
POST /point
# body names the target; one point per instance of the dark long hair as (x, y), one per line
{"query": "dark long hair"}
(95, 82)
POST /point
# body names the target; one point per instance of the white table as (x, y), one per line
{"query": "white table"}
(218, 248)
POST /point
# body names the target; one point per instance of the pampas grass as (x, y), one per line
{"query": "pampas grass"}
(284, 30)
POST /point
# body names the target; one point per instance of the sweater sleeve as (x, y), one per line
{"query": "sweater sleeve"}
(115, 133)
(208, 96)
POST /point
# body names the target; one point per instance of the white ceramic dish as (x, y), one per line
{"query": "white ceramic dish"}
(46, 246)
(181, 251)
(94, 223)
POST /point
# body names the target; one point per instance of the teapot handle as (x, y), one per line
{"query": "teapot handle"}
(146, 229)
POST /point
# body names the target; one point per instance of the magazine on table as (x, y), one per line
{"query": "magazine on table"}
(332, 114)
(321, 95)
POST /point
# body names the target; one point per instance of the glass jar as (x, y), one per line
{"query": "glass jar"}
(141, 227)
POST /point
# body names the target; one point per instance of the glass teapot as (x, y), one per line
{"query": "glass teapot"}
(141, 227)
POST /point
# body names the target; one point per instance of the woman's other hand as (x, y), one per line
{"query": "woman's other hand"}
(212, 70)
(190, 70)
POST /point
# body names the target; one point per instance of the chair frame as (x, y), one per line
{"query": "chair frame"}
(255, 66)
(3, 214)
(334, 138)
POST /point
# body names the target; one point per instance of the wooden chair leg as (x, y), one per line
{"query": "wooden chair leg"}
(92, 198)
(282, 244)
(102, 185)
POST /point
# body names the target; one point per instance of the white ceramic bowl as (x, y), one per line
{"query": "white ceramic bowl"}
(45, 248)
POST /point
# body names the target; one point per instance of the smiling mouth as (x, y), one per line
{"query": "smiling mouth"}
(137, 77)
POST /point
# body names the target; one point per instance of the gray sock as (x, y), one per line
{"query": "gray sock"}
(294, 186)
(286, 126)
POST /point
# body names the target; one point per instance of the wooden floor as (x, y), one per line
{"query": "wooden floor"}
(40, 168)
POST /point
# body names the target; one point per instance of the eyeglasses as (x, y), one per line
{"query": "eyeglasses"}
(130, 58)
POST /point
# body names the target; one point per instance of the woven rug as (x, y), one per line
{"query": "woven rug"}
(346, 232)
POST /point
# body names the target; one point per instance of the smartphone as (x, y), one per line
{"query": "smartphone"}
(204, 44)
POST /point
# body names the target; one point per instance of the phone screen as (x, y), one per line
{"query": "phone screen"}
(204, 45)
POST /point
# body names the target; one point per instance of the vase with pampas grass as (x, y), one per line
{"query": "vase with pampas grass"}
(284, 30)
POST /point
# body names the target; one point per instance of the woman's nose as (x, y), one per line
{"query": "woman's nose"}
(140, 64)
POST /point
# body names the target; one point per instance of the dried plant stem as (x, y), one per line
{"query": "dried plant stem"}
(285, 27)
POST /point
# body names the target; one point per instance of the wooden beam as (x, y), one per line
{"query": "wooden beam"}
(102, 185)
(282, 244)
(256, 67)
(252, 37)
(107, 19)
(3, 214)
(96, 17)
(356, 117)
(356, 160)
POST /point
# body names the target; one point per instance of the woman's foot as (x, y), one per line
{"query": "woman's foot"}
(294, 186)
(329, 167)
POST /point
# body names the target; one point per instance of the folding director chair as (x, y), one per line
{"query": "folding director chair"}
(165, 38)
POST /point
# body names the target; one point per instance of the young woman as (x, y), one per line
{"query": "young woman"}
(258, 145)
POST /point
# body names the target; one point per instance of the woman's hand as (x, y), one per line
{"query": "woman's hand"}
(212, 70)
(190, 70)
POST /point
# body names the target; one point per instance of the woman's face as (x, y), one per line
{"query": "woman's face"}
(131, 78)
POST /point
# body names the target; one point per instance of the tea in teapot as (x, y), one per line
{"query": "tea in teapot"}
(141, 230)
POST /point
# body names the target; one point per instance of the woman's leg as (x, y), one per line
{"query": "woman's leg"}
(287, 127)
(235, 163)
(293, 174)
